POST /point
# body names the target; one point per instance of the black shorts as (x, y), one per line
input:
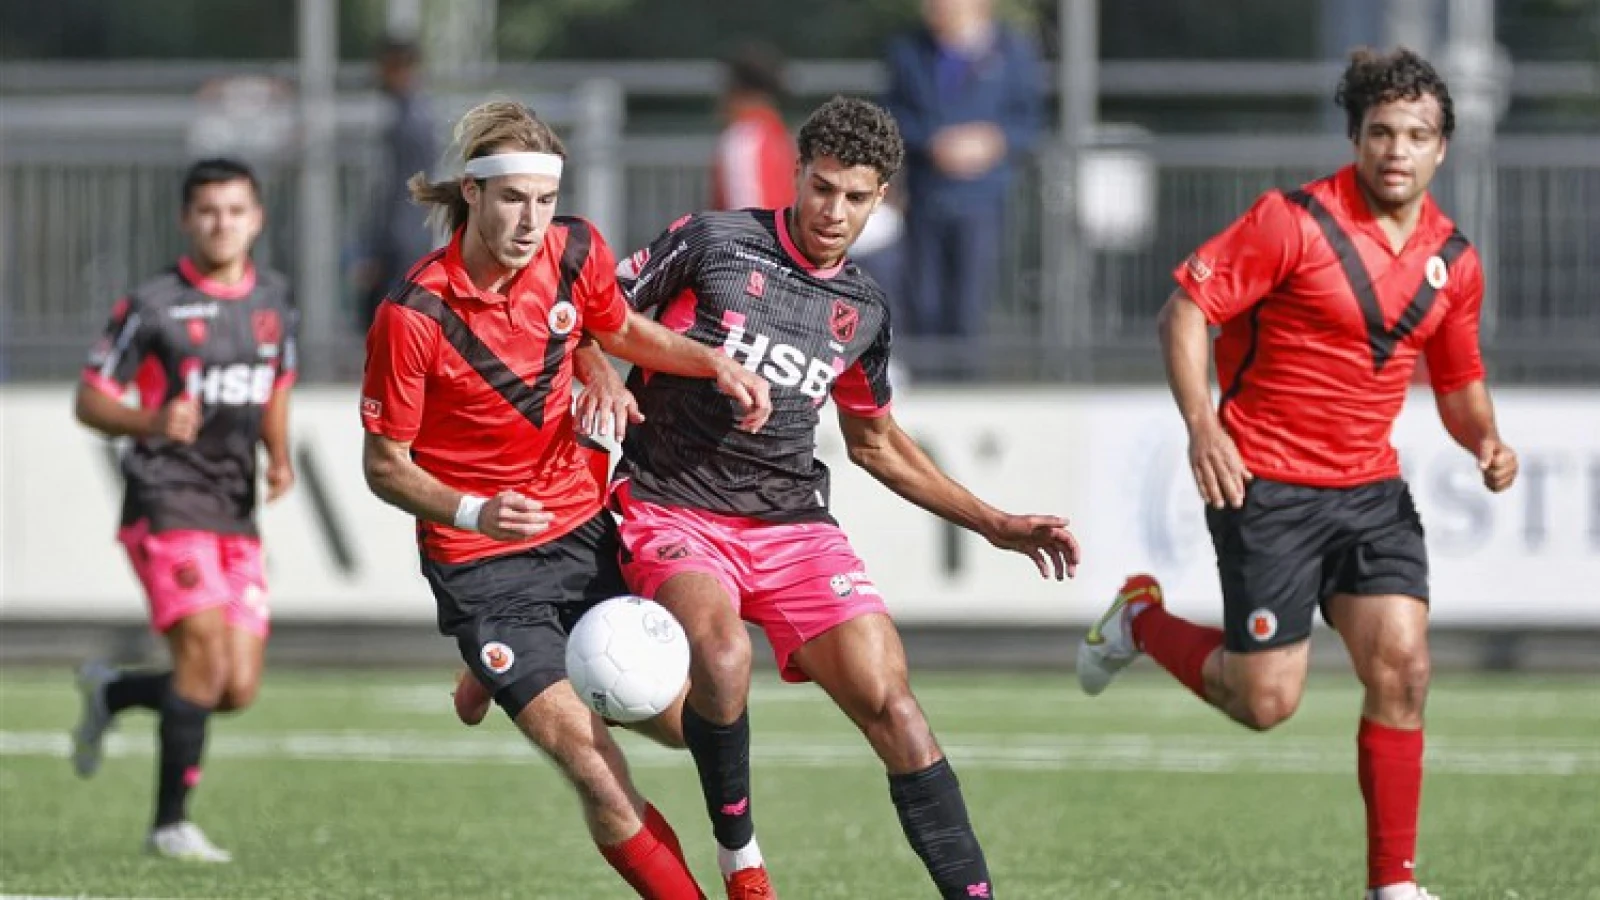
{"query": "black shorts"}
(1290, 548)
(510, 615)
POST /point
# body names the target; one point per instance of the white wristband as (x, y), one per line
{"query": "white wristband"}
(467, 512)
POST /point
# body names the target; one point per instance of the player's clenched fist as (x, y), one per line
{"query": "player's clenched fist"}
(509, 516)
(747, 389)
(178, 421)
(1498, 463)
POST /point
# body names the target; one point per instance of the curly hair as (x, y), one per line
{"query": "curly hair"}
(855, 132)
(1374, 78)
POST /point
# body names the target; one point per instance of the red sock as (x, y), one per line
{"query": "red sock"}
(1390, 767)
(650, 865)
(1180, 646)
(656, 824)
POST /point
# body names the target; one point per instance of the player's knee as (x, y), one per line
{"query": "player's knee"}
(1400, 676)
(723, 660)
(1268, 708)
(238, 695)
(899, 718)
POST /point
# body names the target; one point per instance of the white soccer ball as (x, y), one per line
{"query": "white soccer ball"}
(628, 658)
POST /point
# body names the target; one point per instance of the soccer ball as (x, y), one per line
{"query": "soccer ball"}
(628, 658)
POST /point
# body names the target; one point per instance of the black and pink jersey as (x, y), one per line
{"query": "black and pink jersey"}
(230, 346)
(735, 280)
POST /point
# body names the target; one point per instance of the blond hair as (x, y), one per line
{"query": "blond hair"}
(498, 126)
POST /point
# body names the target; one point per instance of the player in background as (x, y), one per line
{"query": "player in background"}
(210, 345)
(719, 523)
(1326, 297)
(467, 405)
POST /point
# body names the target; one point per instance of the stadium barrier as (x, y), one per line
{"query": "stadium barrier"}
(1112, 460)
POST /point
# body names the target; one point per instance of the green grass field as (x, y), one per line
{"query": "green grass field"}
(363, 785)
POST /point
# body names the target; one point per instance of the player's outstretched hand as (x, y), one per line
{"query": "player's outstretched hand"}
(1498, 463)
(280, 478)
(606, 408)
(178, 421)
(747, 389)
(1043, 539)
(509, 516)
(1218, 470)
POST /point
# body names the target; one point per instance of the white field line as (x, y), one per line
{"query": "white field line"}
(1028, 752)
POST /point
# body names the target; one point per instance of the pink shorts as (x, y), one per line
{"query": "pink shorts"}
(795, 581)
(186, 572)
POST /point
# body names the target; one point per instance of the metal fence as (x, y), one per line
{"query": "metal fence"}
(83, 222)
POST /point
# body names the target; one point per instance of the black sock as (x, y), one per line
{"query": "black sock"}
(935, 821)
(183, 739)
(722, 755)
(142, 689)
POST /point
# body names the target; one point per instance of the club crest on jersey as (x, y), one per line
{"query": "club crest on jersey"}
(843, 321)
(841, 585)
(1198, 269)
(1437, 272)
(1263, 625)
(497, 657)
(197, 330)
(562, 319)
(266, 325)
(756, 285)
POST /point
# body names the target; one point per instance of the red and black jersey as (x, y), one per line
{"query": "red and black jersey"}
(230, 346)
(480, 383)
(736, 281)
(1321, 325)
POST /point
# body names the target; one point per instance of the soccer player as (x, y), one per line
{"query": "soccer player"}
(1325, 297)
(210, 344)
(467, 405)
(719, 523)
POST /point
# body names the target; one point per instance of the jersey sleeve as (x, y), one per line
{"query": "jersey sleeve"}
(863, 389)
(598, 294)
(289, 354)
(661, 271)
(1455, 358)
(1234, 270)
(115, 358)
(400, 353)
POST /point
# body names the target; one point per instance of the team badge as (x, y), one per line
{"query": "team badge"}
(1198, 269)
(197, 330)
(562, 319)
(843, 321)
(1263, 625)
(186, 575)
(497, 657)
(756, 285)
(371, 409)
(841, 585)
(1438, 274)
(267, 326)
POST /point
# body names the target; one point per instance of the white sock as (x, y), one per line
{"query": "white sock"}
(1404, 891)
(731, 861)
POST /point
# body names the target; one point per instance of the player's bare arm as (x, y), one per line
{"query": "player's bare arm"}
(177, 421)
(646, 343)
(606, 407)
(1468, 414)
(1218, 471)
(399, 482)
(880, 446)
(275, 438)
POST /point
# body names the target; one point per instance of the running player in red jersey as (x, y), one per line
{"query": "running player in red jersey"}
(210, 345)
(467, 405)
(1326, 297)
(719, 523)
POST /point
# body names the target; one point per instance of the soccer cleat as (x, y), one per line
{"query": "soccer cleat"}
(1109, 647)
(186, 842)
(750, 884)
(471, 700)
(88, 739)
(1400, 892)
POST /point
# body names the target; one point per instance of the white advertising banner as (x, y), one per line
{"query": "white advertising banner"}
(1112, 460)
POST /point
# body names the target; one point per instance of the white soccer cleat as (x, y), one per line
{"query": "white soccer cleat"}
(88, 739)
(186, 842)
(1109, 647)
(1400, 892)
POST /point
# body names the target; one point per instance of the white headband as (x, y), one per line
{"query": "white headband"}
(514, 164)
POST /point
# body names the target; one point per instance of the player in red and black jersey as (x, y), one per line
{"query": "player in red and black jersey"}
(210, 346)
(719, 523)
(467, 404)
(1326, 297)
